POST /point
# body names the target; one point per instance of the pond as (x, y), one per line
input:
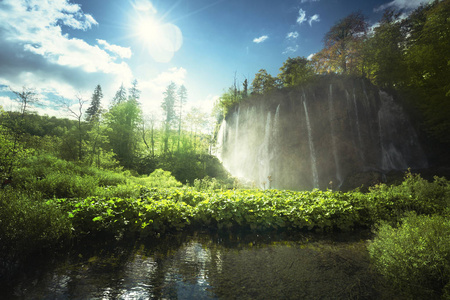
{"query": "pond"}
(201, 265)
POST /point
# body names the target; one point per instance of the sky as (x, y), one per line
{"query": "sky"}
(64, 48)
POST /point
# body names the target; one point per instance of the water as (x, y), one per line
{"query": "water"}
(333, 135)
(311, 148)
(358, 127)
(265, 155)
(209, 266)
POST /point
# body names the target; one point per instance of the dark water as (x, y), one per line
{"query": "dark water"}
(208, 266)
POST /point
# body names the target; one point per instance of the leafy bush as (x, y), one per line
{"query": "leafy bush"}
(415, 257)
(390, 203)
(208, 184)
(27, 223)
(118, 215)
(159, 178)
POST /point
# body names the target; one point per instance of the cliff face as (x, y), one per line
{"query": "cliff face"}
(318, 135)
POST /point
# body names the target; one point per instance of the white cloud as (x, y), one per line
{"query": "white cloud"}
(290, 50)
(314, 18)
(260, 39)
(123, 52)
(37, 54)
(292, 35)
(310, 56)
(301, 16)
(403, 4)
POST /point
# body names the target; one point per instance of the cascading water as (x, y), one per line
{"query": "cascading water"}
(358, 126)
(311, 148)
(304, 138)
(220, 140)
(265, 154)
(236, 134)
(333, 135)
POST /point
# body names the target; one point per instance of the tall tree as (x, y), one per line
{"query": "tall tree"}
(92, 113)
(134, 93)
(123, 120)
(428, 59)
(295, 71)
(120, 96)
(182, 97)
(263, 82)
(168, 106)
(16, 126)
(384, 52)
(77, 113)
(344, 40)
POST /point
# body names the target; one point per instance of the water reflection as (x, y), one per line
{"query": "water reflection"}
(201, 266)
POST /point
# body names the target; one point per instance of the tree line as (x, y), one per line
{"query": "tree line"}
(120, 136)
(407, 55)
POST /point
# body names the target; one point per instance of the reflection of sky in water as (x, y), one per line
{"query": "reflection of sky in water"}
(200, 268)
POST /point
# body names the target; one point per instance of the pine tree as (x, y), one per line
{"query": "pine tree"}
(94, 109)
(168, 105)
(134, 93)
(121, 95)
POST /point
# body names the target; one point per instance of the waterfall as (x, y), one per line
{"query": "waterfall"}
(391, 157)
(236, 134)
(276, 125)
(329, 130)
(333, 135)
(311, 148)
(220, 140)
(358, 128)
(236, 138)
(264, 154)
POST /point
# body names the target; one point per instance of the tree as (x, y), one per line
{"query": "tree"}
(295, 71)
(77, 113)
(123, 120)
(168, 106)
(92, 113)
(182, 97)
(245, 88)
(384, 52)
(428, 59)
(120, 96)
(343, 41)
(263, 82)
(198, 122)
(134, 93)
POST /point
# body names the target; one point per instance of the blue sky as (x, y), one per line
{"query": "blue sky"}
(63, 48)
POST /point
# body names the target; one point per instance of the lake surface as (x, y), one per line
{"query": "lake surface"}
(208, 266)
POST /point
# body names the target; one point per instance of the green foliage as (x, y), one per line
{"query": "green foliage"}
(53, 177)
(413, 194)
(27, 223)
(263, 82)
(295, 71)
(161, 179)
(207, 184)
(415, 256)
(123, 120)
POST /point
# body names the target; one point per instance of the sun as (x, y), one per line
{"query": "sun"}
(160, 39)
(149, 30)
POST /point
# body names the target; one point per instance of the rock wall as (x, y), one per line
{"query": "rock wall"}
(318, 135)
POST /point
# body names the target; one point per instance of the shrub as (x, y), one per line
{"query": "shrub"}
(413, 194)
(415, 256)
(27, 223)
(159, 178)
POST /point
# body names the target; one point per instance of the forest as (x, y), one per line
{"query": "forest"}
(115, 172)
